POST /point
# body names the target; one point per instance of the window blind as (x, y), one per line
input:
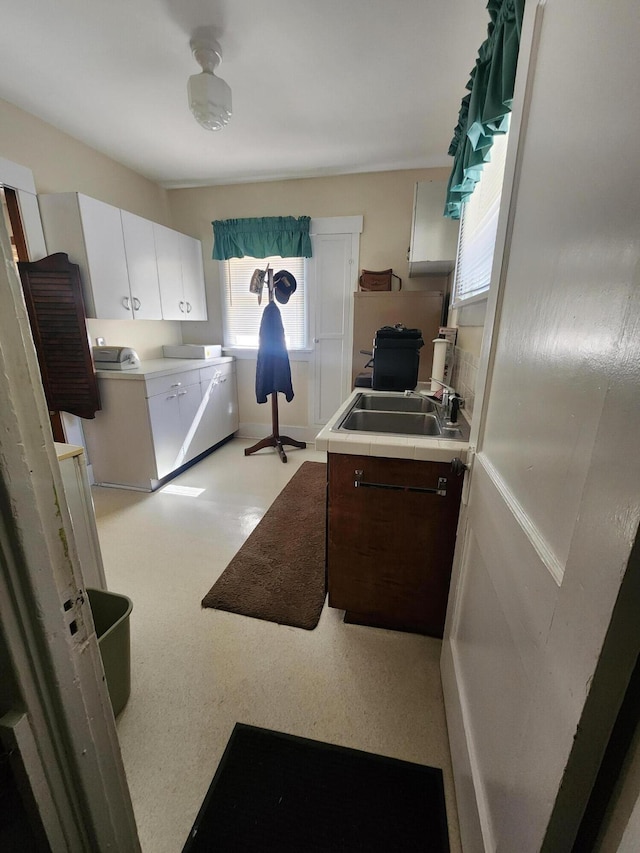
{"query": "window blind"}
(478, 228)
(242, 314)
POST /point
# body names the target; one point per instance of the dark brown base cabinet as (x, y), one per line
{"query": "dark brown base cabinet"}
(390, 540)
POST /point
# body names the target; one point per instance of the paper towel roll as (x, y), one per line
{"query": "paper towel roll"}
(437, 371)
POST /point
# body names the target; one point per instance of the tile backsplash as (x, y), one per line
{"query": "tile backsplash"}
(463, 377)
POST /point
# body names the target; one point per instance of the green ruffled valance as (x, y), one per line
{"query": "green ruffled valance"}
(262, 237)
(485, 110)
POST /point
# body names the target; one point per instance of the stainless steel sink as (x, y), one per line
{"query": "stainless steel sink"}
(394, 403)
(401, 415)
(404, 423)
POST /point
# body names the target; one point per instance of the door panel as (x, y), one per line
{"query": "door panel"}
(553, 505)
(333, 277)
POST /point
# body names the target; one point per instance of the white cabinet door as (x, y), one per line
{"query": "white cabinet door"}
(164, 415)
(107, 263)
(167, 243)
(226, 416)
(193, 278)
(434, 238)
(141, 263)
(190, 400)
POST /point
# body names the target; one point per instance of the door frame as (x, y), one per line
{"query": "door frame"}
(62, 724)
(332, 225)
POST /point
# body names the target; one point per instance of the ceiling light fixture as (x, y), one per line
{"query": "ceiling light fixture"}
(209, 96)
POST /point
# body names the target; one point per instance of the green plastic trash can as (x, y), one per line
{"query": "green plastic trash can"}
(111, 613)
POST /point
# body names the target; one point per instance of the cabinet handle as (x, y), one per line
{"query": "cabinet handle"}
(441, 489)
(176, 384)
(181, 304)
(125, 302)
(136, 303)
(188, 308)
(182, 393)
(223, 379)
(171, 396)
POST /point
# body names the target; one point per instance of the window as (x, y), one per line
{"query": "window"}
(242, 314)
(478, 227)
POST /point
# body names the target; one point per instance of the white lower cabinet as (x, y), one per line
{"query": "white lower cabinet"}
(151, 426)
(219, 410)
(174, 415)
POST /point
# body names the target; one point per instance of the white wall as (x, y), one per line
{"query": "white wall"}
(60, 163)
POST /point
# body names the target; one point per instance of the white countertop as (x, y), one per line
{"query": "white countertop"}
(162, 367)
(66, 451)
(424, 448)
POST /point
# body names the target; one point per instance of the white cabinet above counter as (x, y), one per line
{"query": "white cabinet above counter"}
(131, 268)
(159, 417)
(180, 274)
(434, 238)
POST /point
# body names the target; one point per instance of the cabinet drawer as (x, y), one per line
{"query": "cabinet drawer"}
(208, 373)
(169, 384)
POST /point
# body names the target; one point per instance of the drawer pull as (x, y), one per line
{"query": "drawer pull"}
(176, 384)
(441, 489)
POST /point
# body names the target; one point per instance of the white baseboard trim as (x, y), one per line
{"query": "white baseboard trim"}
(258, 431)
(475, 829)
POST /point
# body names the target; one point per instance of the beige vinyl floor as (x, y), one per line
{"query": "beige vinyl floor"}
(197, 672)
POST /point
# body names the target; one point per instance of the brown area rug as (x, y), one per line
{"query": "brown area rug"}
(279, 573)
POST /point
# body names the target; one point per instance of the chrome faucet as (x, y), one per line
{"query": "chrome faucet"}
(451, 403)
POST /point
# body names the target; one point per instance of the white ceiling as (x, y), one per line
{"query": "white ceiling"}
(320, 87)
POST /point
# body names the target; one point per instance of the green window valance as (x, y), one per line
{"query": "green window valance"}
(262, 237)
(485, 110)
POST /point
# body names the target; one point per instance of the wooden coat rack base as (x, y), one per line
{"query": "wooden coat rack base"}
(275, 439)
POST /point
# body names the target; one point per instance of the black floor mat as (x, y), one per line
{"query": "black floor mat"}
(274, 792)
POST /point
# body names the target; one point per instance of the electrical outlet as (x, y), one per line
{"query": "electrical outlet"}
(99, 342)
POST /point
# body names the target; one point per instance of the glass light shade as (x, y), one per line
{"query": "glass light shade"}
(209, 100)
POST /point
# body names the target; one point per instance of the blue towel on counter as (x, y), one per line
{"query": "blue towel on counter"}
(273, 371)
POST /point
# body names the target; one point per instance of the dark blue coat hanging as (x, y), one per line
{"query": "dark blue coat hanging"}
(273, 371)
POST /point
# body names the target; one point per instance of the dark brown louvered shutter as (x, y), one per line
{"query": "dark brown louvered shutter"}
(53, 295)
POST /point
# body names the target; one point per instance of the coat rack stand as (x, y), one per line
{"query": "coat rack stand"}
(275, 439)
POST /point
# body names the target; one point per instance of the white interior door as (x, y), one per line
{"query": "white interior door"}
(545, 541)
(332, 274)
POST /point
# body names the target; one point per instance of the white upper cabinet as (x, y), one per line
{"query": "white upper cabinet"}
(434, 238)
(90, 233)
(181, 276)
(140, 252)
(131, 268)
(193, 277)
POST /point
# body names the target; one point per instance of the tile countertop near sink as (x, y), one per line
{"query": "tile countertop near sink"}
(428, 449)
(162, 367)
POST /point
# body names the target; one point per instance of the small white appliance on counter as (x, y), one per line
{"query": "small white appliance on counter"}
(115, 358)
(193, 351)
